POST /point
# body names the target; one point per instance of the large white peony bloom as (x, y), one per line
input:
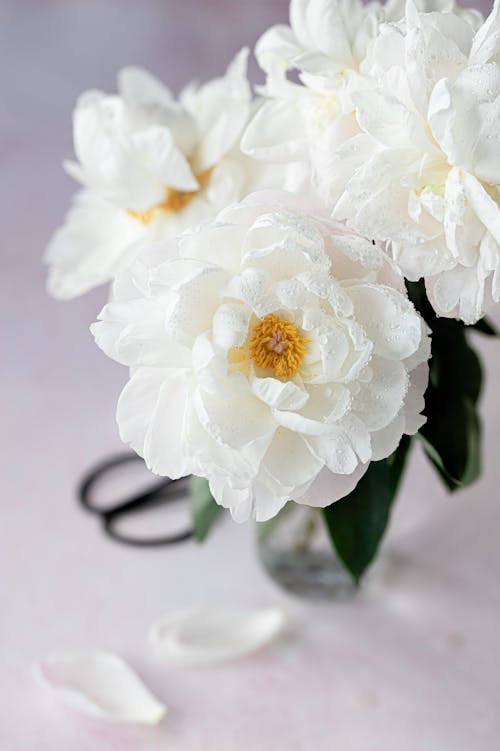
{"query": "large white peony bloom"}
(271, 351)
(425, 170)
(150, 166)
(325, 46)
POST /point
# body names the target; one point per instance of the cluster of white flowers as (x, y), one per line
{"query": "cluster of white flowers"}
(396, 117)
(271, 343)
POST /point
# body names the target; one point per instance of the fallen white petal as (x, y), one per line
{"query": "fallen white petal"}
(99, 684)
(210, 635)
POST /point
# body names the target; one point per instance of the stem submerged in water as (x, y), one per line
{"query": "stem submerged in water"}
(306, 532)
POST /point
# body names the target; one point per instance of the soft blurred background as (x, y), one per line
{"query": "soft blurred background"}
(412, 664)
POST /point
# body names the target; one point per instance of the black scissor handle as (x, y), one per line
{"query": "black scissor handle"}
(160, 492)
(94, 476)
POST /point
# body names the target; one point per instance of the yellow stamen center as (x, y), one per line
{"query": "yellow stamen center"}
(174, 200)
(276, 344)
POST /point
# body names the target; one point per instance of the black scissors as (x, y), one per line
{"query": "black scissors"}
(164, 491)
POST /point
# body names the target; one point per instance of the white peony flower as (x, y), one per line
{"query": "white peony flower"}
(271, 351)
(150, 166)
(325, 45)
(425, 170)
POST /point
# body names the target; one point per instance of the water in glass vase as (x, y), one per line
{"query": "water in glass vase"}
(297, 553)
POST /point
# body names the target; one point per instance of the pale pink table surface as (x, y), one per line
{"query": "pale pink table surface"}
(412, 664)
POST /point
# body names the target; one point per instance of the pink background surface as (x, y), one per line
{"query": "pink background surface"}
(412, 663)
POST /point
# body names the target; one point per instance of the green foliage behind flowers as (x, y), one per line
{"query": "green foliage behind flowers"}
(452, 434)
(204, 509)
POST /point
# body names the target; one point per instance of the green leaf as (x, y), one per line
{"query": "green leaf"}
(484, 326)
(452, 438)
(455, 365)
(418, 296)
(436, 460)
(204, 508)
(473, 469)
(471, 454)
(356, 523)
(452, 434)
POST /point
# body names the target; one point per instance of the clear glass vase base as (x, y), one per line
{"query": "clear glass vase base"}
(313, 576)
(295, 550)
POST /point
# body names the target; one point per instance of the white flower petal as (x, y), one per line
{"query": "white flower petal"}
(290, 461)
(94, 244)
(137, 404)
(389, 319)
(486, 45)
(239, 502)
(227, 469)
(423, 353)
(326, 25)
(358, 436)
(337, 454)
(249, 286)
(415, 402)
(327, 402)
(213, 635)
(417, 260)
(485, 207)
(340, 164)
(138, 86)
(164, 450)
(133, 333)
(199, 242)
(209, 366)
(385, 441)
(234, 420)
(276, 48)
(464, 118)
(150, 101)
(276, 133)
(278, 394)
(268, 500)
(379, 400)
(334, 347)
(347, 444)
(158, 152)
(185, 321)
(437, 46)
(99, 684)
(385, 118)
(220, 109)
(302, 240)
(230, 325)
(458, 293)
(357, 250)
(299, 424)
(326, 406)
(328, 487)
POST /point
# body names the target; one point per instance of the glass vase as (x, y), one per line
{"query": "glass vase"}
(296, 551)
